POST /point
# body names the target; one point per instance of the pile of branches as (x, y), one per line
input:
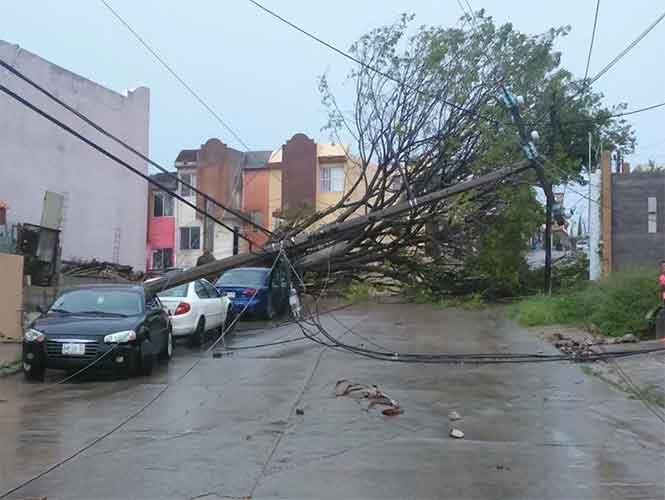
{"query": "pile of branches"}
(100, 270)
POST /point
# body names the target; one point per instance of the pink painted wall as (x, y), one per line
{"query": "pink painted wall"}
(161, 234)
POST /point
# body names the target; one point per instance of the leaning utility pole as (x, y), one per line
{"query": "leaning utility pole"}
(513, 103)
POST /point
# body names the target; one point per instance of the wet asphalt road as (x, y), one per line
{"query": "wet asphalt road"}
(228, 428)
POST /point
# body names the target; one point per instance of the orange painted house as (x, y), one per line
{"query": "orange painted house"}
(256, 198)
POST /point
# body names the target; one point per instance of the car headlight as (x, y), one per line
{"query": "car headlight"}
(33, 335)
(120, 337)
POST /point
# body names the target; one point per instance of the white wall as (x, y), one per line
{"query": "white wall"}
(185, 216)
(223, 244)
(102, 197)
(595, 228)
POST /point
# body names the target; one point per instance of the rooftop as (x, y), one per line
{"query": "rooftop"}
(322, 151)
(186, 157)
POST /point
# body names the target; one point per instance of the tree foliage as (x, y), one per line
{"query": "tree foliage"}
(427, 112)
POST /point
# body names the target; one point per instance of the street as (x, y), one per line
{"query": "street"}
(265, 423)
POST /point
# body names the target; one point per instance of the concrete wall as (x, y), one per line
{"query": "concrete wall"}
(105, 205)
(632, 245)
(11, 296)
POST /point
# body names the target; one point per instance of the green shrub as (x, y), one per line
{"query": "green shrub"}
(357, 292)
(614, 306)
(626, 300)
(534, 311)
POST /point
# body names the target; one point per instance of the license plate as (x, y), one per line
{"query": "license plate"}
(73, 349)
(231, 295)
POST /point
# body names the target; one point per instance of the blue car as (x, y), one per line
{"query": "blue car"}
(255, 291)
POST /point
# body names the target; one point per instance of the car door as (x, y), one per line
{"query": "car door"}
(207, 306)
(285, 286)
(154, 322)
(278, 289)
(165, 320)
(220, 303)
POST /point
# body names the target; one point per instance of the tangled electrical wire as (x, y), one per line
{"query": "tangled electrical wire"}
(313, 330)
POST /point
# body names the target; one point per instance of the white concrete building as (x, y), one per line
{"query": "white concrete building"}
(105, 205)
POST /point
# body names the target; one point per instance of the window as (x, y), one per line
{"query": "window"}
(190, 238)
(212, 291)
(162, 258)
(244, 277)
(189, 179)
(652, 217)
(109, 301)
(332, 179)
(163, 206)
(257, 218)
(201, 290)
(179, 291)
(152, 304)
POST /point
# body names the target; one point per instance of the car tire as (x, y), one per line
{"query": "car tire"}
(35, 372)
(146, 359)
(167, 353)
(198, 338)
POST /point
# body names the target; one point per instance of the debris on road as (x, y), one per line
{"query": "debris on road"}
(579, 346)
(456, 433)
(369, 393)
(300, 411)
(453, 415)
(628, 338)
(103, 270)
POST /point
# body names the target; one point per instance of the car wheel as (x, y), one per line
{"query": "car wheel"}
(167, 353)
(34, 371)
(198, 338)
(146, 358)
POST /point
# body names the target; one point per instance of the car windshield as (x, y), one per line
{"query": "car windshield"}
(178, 291)
(243, 277)
(99, 301)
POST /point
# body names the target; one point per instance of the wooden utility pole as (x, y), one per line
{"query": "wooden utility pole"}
(546, 185)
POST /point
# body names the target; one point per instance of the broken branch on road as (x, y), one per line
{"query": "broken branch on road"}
(368, 393)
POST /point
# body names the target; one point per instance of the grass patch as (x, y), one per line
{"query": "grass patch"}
(616, 306)
(358, 292)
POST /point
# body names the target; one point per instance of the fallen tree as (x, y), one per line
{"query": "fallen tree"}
(431, 133)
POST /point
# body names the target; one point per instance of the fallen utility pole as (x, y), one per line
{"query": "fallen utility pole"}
(328, 233)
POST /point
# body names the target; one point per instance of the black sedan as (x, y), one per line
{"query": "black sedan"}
(105, 326)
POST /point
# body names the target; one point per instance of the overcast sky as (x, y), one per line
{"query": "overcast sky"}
(261, 76)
